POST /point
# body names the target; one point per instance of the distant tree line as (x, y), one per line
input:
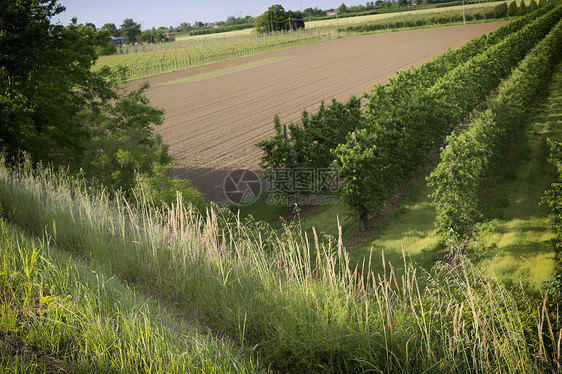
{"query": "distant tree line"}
(132, 33)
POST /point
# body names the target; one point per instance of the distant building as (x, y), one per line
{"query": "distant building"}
(117, 40)
(169, 35)
(331, 13)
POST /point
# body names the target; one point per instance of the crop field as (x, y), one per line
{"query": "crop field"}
(343, 22)
(229, 34)
(188, 52)
(154, 59)
(213, 120)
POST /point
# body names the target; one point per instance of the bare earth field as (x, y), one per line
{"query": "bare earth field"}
(215, 114)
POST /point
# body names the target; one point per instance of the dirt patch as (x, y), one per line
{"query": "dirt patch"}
(212, 124)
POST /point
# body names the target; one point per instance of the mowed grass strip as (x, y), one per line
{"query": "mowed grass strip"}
(516, 242)
(218, 72)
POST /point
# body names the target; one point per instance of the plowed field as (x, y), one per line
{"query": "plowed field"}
(215, 114)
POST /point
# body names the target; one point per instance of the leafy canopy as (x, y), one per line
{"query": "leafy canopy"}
(54, 108)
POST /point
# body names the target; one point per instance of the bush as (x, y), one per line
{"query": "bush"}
(501, 10)
(161, 189)
(523, 9)
(512, 10)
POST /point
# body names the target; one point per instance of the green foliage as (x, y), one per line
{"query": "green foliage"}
(472, 156)
(111, 29)
(130, 30)
(72, 116)
(152, 36)
(272, 20)
(513, 10)
(121, 140)
(366, 167)
(101, 38)
(311, 141)
(43, 118)
(500, 10)
(412, 114)
(277, 19)
(161, 189)
(106, 49)
(533, 6)
(523, 8)
(553, 197)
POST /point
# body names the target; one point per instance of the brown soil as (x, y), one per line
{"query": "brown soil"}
(212, 124)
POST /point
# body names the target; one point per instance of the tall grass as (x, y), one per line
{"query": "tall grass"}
(297, 302)
(60, 315)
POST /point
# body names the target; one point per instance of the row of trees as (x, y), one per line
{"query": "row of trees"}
(408, 116)
(474, 155)
(129, 29)
(57, 110)
(360, 8)
(513, 10)
(400, 136)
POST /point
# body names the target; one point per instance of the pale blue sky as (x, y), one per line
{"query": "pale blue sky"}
(166, 13)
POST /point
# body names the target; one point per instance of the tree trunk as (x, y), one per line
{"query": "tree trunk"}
(363, 222)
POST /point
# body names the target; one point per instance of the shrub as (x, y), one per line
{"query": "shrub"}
(161, 189)
(512, 10)
(523, 9)
(501, 10)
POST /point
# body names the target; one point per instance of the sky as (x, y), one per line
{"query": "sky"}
(173, 12)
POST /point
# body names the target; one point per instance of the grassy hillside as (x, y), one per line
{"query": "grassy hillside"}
(92, 281)
(292, 304)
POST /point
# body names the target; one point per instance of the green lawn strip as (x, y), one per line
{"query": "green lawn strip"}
(324, 218)
(215, 73)
(409, 227)
(516, 241)
(59, 314)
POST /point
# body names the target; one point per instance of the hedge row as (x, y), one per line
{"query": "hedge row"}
(432, 18)
(391, 148)
(473, 155)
